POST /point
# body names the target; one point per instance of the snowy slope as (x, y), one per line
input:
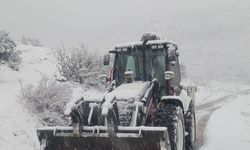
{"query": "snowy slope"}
(17, 126)
(35, 62)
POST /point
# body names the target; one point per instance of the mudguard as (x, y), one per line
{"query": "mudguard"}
(182, 100)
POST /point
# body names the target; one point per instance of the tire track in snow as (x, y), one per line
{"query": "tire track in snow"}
(203, 113)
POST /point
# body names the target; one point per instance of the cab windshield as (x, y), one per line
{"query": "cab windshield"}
(152, 60)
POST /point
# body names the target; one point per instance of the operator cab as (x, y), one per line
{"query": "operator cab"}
(145, 60)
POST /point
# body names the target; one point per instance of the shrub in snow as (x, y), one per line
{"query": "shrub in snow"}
(8, 53)
(81, 66)
(47, 100)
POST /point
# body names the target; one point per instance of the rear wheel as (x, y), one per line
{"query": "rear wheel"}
(171, 116)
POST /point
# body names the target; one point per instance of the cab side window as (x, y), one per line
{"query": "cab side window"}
(131, 65)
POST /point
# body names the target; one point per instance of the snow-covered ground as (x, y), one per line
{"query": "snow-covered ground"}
(224, 107)
(229, 125)
(214, 90)
(223, 112)
(17, 125)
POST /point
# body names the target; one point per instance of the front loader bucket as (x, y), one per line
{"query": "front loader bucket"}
(97, 138)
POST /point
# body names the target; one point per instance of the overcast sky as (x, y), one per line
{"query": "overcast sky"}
(199, 27)
(103, 23)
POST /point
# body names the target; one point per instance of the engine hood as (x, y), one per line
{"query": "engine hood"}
(126, 91)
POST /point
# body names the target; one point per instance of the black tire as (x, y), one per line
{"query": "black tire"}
(190, 126)
(80, 114)
(171, 116)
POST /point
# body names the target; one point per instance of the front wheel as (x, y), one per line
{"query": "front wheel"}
(171, 116)
(190, 122)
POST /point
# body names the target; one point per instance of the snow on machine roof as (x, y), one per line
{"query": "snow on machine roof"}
(154, 44)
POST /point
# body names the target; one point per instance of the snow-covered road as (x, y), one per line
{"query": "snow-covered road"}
(204, 113)
(229, 126)
(224, 123)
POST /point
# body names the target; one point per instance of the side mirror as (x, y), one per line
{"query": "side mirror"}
(169, 75)
(106, 59)
(103, 79)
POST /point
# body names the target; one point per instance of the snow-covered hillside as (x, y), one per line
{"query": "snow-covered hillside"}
(17, 126)
(35, 62)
